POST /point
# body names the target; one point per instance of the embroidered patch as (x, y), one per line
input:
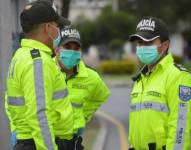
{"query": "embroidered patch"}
(154, 93)
(35, 53)
(184, 93)
(79, 86)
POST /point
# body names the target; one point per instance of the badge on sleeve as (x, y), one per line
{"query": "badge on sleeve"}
(184, 93)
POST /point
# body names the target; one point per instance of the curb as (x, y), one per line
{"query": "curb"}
(101, 137)
(100, 142)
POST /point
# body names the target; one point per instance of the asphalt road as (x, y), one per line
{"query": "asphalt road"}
(117, 106)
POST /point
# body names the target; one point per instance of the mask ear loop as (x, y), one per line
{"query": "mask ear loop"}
(50, 35)
(163, 52)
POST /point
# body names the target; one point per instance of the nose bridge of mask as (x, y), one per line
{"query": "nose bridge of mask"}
(71, 51)
(149, 46)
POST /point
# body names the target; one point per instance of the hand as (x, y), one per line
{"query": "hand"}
(13, 138)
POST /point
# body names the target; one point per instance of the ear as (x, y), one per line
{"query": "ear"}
(46, 28)
(166, 44)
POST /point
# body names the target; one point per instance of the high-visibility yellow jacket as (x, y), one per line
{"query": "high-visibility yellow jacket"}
(160, 110)
(87, 92)
(36, 91)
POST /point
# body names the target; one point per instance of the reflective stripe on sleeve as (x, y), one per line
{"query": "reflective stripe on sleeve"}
(77, 105)
(149, 105)
(181, 125)
(16, 101)
(41, 104)
(60, 94)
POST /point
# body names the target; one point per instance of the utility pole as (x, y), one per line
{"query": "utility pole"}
(5, 52)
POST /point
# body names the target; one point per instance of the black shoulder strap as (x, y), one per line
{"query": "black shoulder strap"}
(143, 70)
(35, 53)
(90, 67)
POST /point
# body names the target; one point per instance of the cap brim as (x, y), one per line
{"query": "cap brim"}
(70, 40)
(63, 22)
(145, 36)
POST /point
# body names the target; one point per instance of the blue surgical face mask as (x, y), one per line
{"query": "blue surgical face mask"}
(147, 54)
(69, 58)
(56, 41)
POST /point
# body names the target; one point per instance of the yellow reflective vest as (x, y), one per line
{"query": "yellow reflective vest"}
(35, 97)
(160, 110)
(87, 92)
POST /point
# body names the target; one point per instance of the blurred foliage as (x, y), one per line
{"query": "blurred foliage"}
(124, 66)
(107, 27)
(115, 43)
(171, 11)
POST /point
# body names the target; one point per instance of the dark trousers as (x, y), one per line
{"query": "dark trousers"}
(25, 145)
(74, 144)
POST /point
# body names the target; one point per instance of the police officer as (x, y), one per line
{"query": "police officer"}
(87, 91)
(36, 89)
(160, 115)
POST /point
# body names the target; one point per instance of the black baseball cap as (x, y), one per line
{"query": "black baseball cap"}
(150, 28)
(70, 34)
(41, 11)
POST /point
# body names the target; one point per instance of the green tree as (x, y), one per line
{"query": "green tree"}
(107, 27)
(171, 11)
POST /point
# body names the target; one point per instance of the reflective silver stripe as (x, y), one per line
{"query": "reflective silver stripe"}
(41, 104)
(149, 105)
(60, 94)
(77, 105)
(181, 125)
(17, 101)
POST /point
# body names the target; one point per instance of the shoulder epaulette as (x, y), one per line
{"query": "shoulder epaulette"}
(91, 68)
(136, 77)
(35, 53)
(180, 67)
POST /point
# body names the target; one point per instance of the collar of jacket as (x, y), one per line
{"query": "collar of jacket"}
(166, 61)
(163, 64)
(82, 70)
(35, 45)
